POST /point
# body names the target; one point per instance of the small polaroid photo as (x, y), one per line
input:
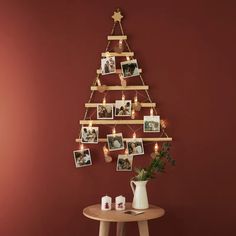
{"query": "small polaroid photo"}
(124, 163)
(115, 142)
(123, 107)
(135, 146)
(133, 212)
(129, 68)
(108, 65)
(89, 134)
(105, 111)
(151, 124)
(82, 158)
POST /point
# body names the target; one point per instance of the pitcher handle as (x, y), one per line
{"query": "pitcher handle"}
(132, 184)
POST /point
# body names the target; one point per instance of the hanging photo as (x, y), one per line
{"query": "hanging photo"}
(108, 65)
(105, 111)
(151, 124)
(89, 135)
(82, 158)
(115, 142)
(123, 107)
(129, 68)
(135, 146)
(124, 163)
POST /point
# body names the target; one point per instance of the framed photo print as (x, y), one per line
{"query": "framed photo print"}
(115, 142)
(123, 107)
(124, 163)
(129, 68)
(105, 111)
(135, 146)
(151, 124)
(82, 158)
(108, 65)
(89, 135)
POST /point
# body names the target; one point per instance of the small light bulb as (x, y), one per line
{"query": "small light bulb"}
(105, 150)
(128, 58)
(135, 98)
(90, 123)
(156, 148)
(104, 101)
(123, 96)
(126, 151)
(133, 114)
(120, 42)
(82, 146)
(114, 130)
(107, 54)
(151, 112)
(134, 135)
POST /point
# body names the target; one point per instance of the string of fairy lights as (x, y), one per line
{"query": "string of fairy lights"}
(137, 99)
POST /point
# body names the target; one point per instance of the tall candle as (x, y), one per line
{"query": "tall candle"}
(120, 203)
(106, 203)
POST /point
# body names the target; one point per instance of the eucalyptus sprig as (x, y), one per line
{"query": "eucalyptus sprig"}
(157, 164)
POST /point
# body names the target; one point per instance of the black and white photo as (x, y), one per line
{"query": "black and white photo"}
(108, 65)
(123, 107)
(115, 142)
(105, 111)
(124, 163)
(129, 68)
(89, 134)
(151, 124)
(135, 146)
(82, 158)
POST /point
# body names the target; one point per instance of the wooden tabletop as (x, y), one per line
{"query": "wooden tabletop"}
(94, 212)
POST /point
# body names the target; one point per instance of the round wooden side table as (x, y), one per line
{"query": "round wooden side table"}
(106, 217)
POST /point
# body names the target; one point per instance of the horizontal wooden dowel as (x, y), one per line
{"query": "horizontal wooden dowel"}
(116, 54)
(167, 139)
(116, 37)
(111, 122)
(118, 71)
(134, 87)
(143, 104)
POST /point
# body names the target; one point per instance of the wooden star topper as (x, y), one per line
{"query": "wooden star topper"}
(117, 15)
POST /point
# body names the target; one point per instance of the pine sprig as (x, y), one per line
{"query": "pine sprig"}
(158, 164)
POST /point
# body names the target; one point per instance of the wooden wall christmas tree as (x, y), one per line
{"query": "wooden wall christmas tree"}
(120, 112)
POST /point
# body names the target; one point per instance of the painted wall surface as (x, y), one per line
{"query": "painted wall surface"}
(49, 51)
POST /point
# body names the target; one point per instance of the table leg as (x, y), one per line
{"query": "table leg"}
(104, 228)
(120, 229)
(143, 228)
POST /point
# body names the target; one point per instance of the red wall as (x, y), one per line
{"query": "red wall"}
(49, 51)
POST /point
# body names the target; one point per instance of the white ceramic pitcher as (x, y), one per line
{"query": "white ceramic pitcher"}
(140, 200)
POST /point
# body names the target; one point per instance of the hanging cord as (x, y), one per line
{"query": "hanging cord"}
(112, 32)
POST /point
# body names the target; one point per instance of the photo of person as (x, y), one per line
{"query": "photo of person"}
(129, 68)
(135, 146)
(151, 124)
(105, 111)
(89, 135)
(123, 107)
(82, 158)
(115, 142)
(124, 163)
(108, 65)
